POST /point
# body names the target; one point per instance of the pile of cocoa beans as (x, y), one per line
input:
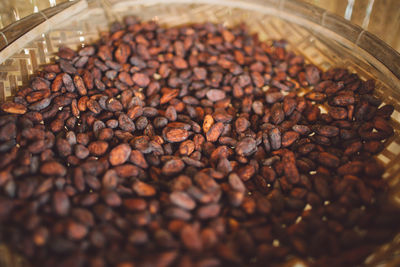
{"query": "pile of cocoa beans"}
(196, 145)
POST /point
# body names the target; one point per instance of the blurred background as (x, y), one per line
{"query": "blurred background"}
(381, 17)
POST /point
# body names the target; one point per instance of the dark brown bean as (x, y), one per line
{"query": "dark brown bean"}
(138, 159)
(338, 113)
(290, 169)
(215, 95)
(180, 63)
(327, 130)
(273, 97)
(143, 189)
(277, 113)
(215, 131)
(208, 211)
(312, 74)
(76, 231)
(186, 147)
(343, 100)
(125, 123)
(53, 168)
(328, 160)
(173, 166)
(275, 138)
(183, 200)
(98, 148)
(40, 105)
(241, 124)
(120, 154)
(80, 85)
(93, 106)
(289, 138)
(175, 135)
(141, 79)
(246, 147)
(61, 203)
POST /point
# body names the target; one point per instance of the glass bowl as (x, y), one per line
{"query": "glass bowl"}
(321, 37)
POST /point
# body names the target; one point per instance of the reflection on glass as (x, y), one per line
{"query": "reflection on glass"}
(381, 18)
(13, 10)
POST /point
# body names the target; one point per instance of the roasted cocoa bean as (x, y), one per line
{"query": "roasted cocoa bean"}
(120, 154)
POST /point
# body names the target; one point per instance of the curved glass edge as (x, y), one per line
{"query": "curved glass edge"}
(381, 50)
(12, 32)
(20, 33)
(285, 9)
